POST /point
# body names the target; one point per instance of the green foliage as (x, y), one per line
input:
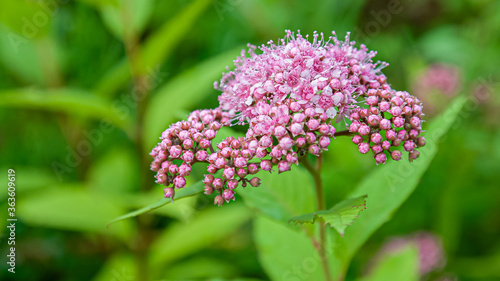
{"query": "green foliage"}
(339, 217)
(400, 265)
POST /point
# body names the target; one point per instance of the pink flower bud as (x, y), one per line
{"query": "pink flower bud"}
(409, 145)
(355, 116)
(261, 152)
(283, 166)
(335, 83)
(255, 182)
(354, 127)
(179, 182)
(161, 178)
(220, 162)
(276, 152)
(208, 180)
(386, 145)
(296, 129)
(397, 101)
(217, 183)
(232, 184)
(299, 117)
(286, 143)
(252, 169)
(169, 192)
(413, 155)
(279, 131)
(228, 173)
(242, 173)
(228, 194)
(364, 147)
(364, 130)
(188, 156)
(201, 155)
(218, 200)
(313, 124)
(310, 112)
(385, 124)
(377, 148)
(421, 141)
(184, 170)
(324, 129)
(380, 158)
(357, 139)
(295, 106)
(398, 122)
(266, 141)
(415, 122)
(314, 150)
(373, 100)
(396, 155)
(407, 110)
(210, 134)
(413, 133)
(373, 120)
(384, 106)
(226, 152)
(266, 165)
(390, 135)
(300, 142)
(173, 169)
(374, 110)
(310, 137)
(292, 157)
(155, 166)
(376, 138)
(204, 143)
(395, 111)
(402, 135)
(324, 142)
(209, 189)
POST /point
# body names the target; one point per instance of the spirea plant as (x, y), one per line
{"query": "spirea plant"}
(292, 100)
(289, 96)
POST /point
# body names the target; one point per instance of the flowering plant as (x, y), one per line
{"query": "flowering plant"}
(292, 99)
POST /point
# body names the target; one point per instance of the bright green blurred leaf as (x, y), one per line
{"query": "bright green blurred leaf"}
(205, 267)
(390, 185)
(29, 19)
(119, 267)
(286, 254)
(29, 178)
(339, 217)
(281, 197)
(128, 17)
(19, 55)
(157, 48)
(182, 91)
(400, 265)
(70, 101)
(114, 172)
(205, 230)
(74, 209)
(185, 192)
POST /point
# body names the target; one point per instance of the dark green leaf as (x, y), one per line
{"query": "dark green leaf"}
(339, 217)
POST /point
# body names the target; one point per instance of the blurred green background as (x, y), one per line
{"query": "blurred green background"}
(87, 87)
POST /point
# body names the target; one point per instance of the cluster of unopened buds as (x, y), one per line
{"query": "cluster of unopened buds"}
(289, 96)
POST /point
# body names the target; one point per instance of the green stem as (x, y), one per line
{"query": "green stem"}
(320, 200)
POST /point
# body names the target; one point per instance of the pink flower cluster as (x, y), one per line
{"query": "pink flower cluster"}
(289, 95)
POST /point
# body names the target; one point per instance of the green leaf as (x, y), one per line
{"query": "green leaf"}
(209, 227)
(69, 101)
(128, 17)
(157, 48)
(339, 217)
(281, 197)
(286, 254)
(205, 267)
(182, 91)
(74, 209)
(182, 193)
(400, 265)
(119, 267)
(390, 185)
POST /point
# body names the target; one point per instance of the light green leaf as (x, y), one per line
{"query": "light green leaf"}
(114, 172)
(182, 91)
(400, 265)
(185, 192)
(72, 208)
(29, 19)
(286, 254)
(390, 185)
(69, 101)
(209, 227)
(339, 217)
(205, 267)
(281, 197)
(119, 267)
(158, 47)
(128, 17)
